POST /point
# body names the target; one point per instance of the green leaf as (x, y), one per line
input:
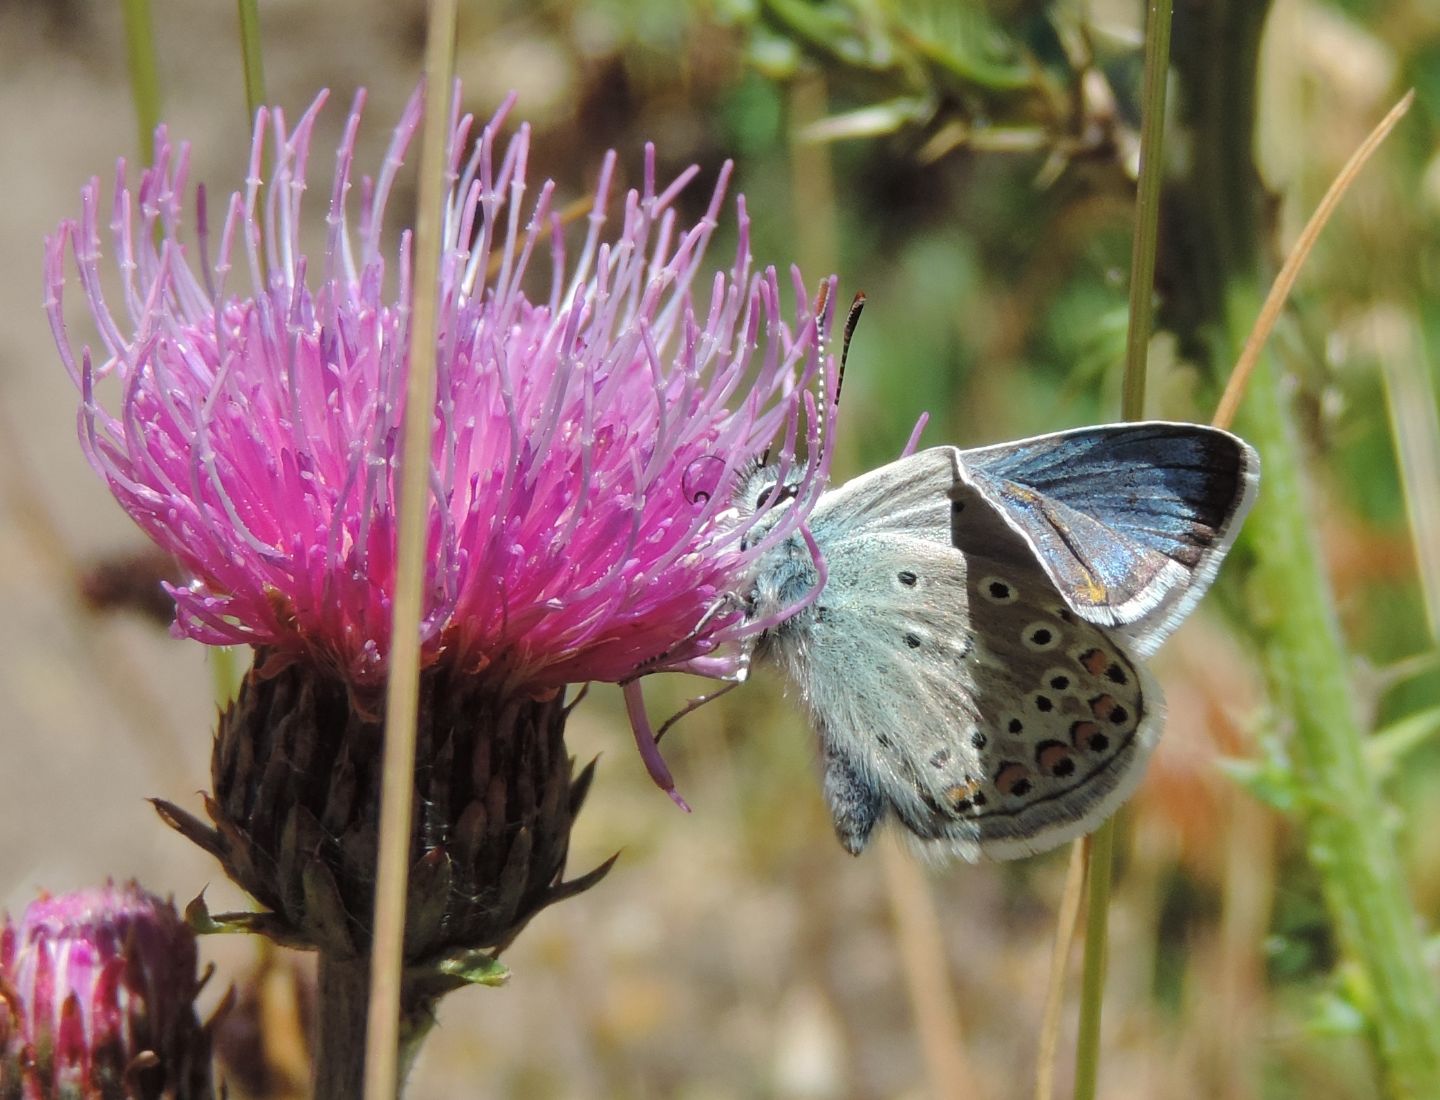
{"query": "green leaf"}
(1387, 747)
(473, 968)
(964, 43)
(1270, 779)
(203, 923)
(1335, 1015)
(876, 120)
(830, 30)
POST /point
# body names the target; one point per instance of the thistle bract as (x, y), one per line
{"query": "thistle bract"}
(247, 410)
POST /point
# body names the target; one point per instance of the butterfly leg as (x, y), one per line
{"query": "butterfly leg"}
(856, 805)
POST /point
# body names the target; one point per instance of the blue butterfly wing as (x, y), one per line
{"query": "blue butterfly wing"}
(1130, 521)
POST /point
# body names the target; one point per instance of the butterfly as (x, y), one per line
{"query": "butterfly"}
(974, 663)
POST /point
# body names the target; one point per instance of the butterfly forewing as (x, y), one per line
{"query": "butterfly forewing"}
(907, 496)
(1130, 521)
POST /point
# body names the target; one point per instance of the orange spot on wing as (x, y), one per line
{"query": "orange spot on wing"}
(1010, 776)
(1081, 732)
(1102, 705)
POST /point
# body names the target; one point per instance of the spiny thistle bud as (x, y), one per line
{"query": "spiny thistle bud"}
(97, 993)
(296, 771)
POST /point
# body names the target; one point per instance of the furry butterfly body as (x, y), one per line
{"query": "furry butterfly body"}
(972, 665)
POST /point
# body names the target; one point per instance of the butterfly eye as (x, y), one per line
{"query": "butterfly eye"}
(786, 492)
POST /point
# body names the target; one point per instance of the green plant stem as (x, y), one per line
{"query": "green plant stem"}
(1347, 833)
(1147, 206)
(1137, 343)
(144, 73)
(251, 56)
(253, 64)
(1092, 982)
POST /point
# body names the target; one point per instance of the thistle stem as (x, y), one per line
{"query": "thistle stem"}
(343, 997)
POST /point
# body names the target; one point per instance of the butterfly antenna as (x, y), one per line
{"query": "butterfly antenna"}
(822, 347)
(822, 303)
(851, 320)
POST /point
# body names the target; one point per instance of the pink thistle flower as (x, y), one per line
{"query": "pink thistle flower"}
(587, 443)
(96, 999)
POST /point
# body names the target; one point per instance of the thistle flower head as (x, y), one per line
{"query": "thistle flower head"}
(247, 408)
(96, 999)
